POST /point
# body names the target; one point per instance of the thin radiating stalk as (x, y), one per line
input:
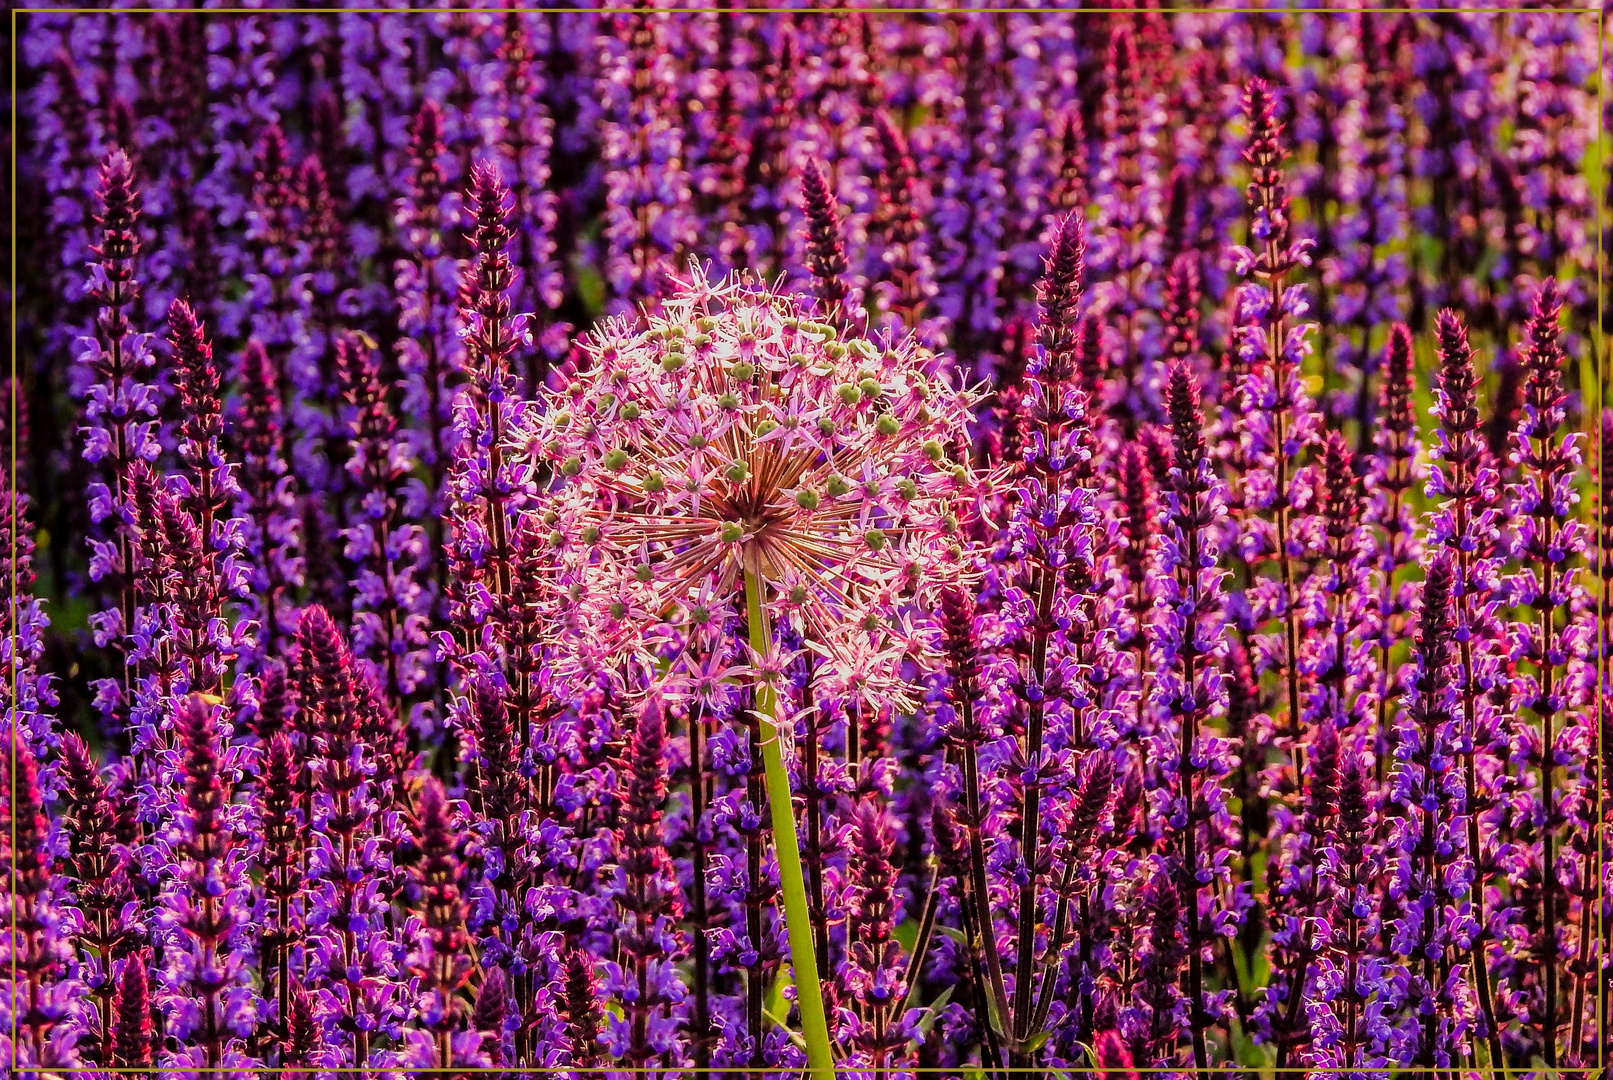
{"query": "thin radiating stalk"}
(792, 881)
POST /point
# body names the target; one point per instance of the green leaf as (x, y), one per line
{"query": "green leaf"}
(775, 1003)
(1036, 1042)
(590, 286)
(793, 1035)
(933, 1012)
(907, 935)
(996, 1018)
(1252, 1054)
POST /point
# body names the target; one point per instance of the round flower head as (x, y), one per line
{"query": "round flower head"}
(733, 432)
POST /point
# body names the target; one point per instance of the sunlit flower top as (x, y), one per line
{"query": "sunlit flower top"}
(732, 430)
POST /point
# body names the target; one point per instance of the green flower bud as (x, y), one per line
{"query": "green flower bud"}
(643, 572)
(807, 499)
(571, 466)
(849, 394)
(737, 472)
(934, 450)
(875, 539)
(837, 487)
(733, 532)
(590, 534)
(672, 361)
(631, 411)
(615, 460)
(887, 425)
(907, 489)
(742, 370)
(654, 482)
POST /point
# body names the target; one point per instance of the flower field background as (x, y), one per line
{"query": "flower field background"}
(678, 541)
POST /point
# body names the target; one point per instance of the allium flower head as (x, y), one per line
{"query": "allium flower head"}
(732, 432)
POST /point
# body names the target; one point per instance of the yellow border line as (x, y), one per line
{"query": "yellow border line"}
(914, 12)
(918, 12)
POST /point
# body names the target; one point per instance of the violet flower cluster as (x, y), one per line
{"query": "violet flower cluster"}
(654, 542)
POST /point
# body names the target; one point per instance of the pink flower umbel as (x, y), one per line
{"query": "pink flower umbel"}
(733, 432)
(731, 443)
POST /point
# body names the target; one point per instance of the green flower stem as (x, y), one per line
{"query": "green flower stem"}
(792, 882)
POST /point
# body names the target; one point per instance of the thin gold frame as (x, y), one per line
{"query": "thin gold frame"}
(1602, 150)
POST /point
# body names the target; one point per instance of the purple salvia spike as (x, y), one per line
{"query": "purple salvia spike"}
(438, 959)
(304, 1040)
(119, 408)
(488, 1014)
(1546, 539)
(1189, 624)
(33, 949)
(648, 899)
(391, 604)
(1465, 525)
(1127, 247)
(131, 1035)
(1159, 969)
(825, 257)
(266, 501)
(282, 819)
(580, 1006)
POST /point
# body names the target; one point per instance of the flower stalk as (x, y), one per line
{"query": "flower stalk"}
(792, 881)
